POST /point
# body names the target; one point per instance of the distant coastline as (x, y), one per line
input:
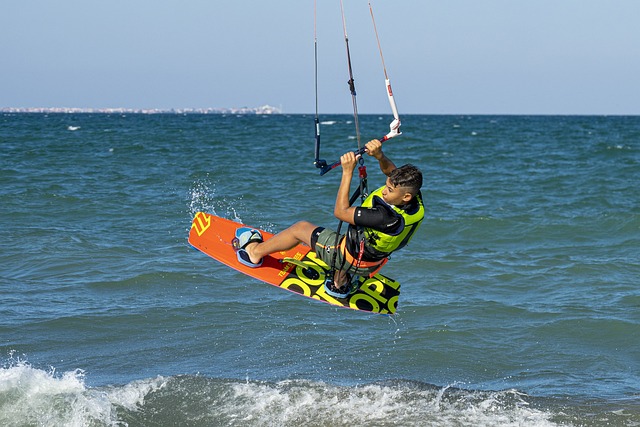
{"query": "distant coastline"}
(264, 109)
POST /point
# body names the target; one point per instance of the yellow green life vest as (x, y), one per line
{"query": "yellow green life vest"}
(383, 243)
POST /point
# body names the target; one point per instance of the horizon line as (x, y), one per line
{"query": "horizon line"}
(261, 110)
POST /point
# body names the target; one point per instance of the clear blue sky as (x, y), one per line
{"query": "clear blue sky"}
(454, 56)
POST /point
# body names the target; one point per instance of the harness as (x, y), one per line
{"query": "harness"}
(358, 262)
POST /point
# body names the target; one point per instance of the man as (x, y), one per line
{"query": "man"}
(384, 223)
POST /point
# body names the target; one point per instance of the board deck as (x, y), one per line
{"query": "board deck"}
(214, 236)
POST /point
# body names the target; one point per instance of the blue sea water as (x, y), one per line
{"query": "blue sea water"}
(520, 302)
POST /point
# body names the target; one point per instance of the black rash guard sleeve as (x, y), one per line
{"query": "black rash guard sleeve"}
(379, 218)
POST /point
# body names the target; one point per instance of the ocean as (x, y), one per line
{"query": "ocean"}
(520, 301)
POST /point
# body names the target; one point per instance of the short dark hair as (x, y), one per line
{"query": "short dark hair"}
(407, 176)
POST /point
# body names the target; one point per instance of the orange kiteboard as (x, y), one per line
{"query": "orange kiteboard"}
(296, 270)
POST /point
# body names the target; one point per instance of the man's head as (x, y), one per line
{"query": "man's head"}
(402, 185)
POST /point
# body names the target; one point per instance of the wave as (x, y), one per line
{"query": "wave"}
(31, 396)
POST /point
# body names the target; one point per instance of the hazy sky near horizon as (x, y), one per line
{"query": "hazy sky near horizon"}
(444, 57)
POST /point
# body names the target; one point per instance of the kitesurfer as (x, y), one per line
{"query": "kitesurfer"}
(384, 223)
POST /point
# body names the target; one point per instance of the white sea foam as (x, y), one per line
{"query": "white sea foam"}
(31, 396)
(308, 403)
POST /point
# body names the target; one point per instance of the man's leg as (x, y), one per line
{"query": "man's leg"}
(300, 232)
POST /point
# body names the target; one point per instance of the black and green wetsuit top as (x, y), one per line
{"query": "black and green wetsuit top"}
(384, 227)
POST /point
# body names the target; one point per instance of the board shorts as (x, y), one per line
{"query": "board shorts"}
(323, 242)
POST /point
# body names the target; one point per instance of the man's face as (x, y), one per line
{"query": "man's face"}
(393, 195)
